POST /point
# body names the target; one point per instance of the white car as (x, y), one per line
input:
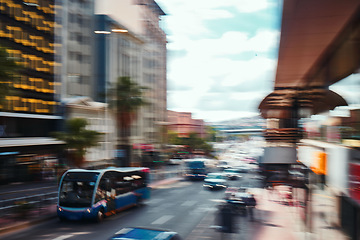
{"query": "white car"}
(175, 161)
(215, 181)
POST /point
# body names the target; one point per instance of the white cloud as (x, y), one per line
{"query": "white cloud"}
(207, 63)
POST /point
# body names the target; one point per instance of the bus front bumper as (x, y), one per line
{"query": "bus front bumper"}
(77, 213)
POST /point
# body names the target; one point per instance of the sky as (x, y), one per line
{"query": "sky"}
(222, 55)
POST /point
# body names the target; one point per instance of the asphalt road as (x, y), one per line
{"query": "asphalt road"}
(178, 207)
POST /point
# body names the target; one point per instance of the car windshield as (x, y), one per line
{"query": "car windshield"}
(215, 176)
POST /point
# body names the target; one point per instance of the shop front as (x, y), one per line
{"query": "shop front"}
(28, 163)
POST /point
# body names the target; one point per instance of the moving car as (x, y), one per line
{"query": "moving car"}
(232, 173)
(239, 198)
(142, 233)
(175, 161)
(215, 181)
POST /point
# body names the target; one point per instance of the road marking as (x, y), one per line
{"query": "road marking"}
(64, 237)
(163, 219)
(155, 200)
(70, 235)
(218, 200)
(189, 203)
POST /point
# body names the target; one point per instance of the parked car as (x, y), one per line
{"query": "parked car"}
(215, 181)
(142, 233)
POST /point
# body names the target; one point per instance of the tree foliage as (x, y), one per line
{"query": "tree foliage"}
(77, 139)
(126, 97)
(193, 142)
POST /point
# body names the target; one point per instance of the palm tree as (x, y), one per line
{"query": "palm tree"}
(126, 98)
(8, 73)
(77, 139)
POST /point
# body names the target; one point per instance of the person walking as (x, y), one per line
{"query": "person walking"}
(251, 204)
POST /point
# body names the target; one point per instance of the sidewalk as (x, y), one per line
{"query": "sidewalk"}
(274, 220)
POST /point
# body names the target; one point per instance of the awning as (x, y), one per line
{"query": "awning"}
(281, 103)
(35, 141)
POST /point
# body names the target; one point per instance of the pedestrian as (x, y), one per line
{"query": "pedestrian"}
(251, 204)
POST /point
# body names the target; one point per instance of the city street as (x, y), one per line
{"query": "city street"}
(179, 206)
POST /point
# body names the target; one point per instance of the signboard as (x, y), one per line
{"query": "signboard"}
(319, 164)
(354, 181)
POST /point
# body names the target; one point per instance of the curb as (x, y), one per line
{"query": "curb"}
(26, 224)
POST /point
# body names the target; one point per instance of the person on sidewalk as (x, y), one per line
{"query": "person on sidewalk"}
(251, 204)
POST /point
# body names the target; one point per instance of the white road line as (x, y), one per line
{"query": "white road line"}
(163, 219)
(64, 237)
(70, 235)
(188, 203)
(154, 200)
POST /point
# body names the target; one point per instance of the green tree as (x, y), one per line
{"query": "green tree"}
(193, 142)
(8, 74)
(211, 133)
(77, 139)
(126, 98)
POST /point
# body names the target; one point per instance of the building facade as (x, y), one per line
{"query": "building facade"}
(136, 47)
(99, 119)
(326, 167)
(30, 113)
(77, 38)
(183, 124)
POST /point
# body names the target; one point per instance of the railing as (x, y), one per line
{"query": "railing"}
(38, 203)
(33, 203)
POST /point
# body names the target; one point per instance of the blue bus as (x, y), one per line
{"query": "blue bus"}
(195, 169)
(95, 194)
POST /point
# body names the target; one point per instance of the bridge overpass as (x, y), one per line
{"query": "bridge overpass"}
(252, 131)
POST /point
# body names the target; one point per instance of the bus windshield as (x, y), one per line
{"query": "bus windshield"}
(77, 189)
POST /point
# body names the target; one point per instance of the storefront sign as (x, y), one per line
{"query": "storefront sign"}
(319, 164)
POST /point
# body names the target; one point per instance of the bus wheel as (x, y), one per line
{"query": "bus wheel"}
(100, 216)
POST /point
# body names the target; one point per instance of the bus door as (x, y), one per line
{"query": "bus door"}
(124, 190)
(107, 192)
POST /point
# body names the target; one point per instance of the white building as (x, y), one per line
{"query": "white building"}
(135, 47)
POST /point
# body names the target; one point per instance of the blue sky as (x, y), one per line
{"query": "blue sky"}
(222, 55)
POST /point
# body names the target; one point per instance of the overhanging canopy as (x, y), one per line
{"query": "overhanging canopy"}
(319, 46)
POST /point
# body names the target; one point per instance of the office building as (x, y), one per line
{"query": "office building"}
(29, 114)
